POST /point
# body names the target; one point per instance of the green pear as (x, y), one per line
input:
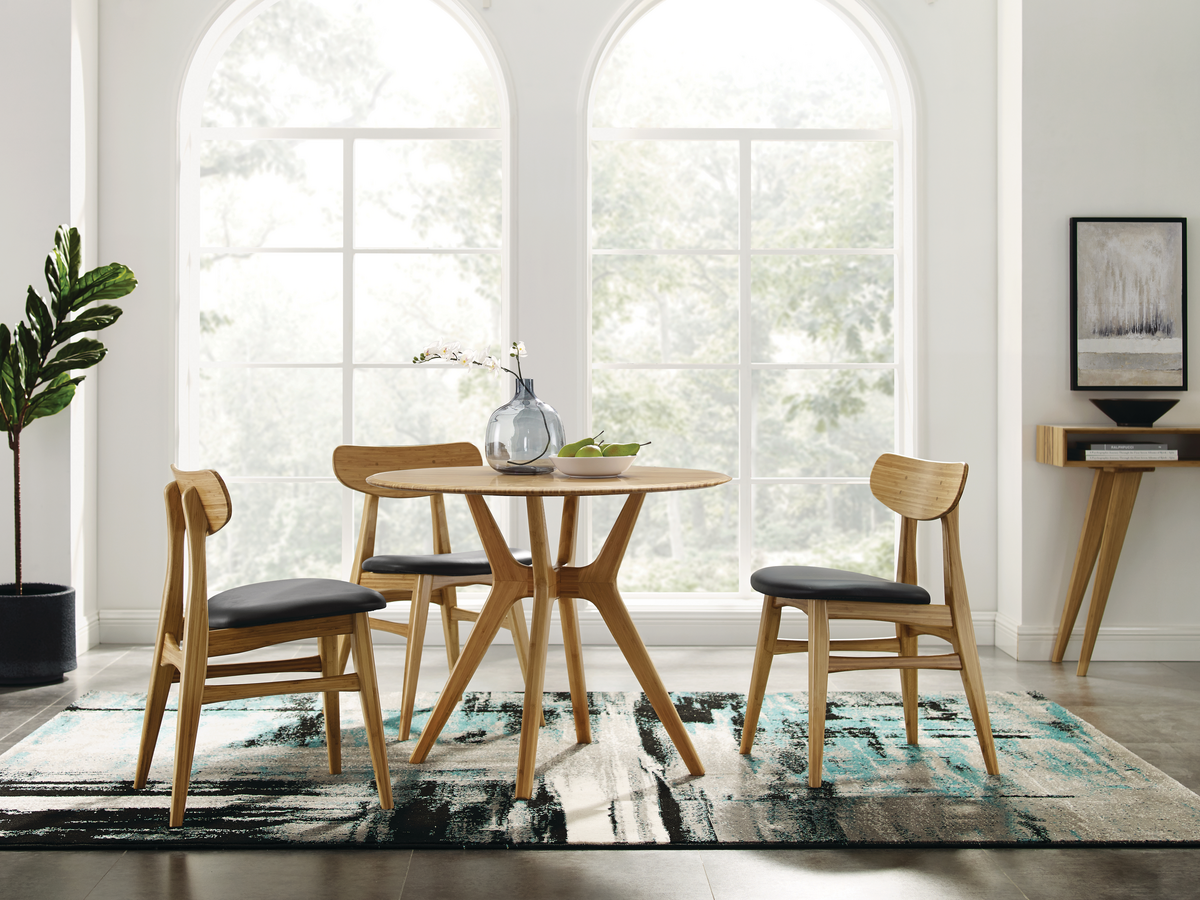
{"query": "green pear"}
(591, 450)
(623, 449)
(574, 447)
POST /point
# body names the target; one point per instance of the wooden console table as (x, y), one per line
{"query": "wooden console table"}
(1114, 489)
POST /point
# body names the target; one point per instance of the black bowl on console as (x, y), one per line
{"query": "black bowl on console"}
(1134, 413)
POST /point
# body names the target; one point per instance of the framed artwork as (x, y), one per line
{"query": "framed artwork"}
(1128, 304)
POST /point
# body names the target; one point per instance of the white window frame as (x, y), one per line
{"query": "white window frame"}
(898, 83)
(225, 27)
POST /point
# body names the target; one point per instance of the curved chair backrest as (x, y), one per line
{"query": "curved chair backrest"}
(213, 494)
(918, 488)
(353, 464)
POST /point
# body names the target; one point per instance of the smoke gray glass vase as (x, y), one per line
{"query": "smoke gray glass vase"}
(523, 434)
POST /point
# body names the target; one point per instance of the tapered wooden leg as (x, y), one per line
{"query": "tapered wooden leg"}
(908, 681)
(156, 702)
(417, 616)
(764, 655)
(612, 609)
(573, 647)
(531, 715)
(331, 702)
(450, 625)
(503, 595)
(972, 679)
(1085, 557)
(818, 681)
(1120, 508)
(191, 693)
(368, 695)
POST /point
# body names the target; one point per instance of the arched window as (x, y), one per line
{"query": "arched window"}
(342, 206)
(750, 281)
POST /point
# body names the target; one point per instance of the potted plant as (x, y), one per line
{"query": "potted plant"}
(37, 620)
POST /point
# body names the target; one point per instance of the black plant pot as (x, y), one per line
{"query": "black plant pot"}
(37, 633)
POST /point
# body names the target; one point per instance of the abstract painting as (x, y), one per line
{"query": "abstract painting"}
(1128, 304)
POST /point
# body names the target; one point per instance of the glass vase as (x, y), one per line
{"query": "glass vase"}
(523, 434)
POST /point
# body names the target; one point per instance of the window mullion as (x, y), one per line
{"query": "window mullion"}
(745, 383)
(347, 502)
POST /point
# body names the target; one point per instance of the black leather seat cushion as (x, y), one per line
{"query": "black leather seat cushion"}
(290, 600)
(816, 583)
(465, 564)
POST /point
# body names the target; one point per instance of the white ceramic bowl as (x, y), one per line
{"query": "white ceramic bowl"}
(593, 466)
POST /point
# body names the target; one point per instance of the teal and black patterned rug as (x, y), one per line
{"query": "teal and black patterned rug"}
(260, 779)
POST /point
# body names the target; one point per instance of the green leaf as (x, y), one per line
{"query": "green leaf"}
(93, 320)
(81, 354)
(74, 254)
(56, 397)
(53, 284)
(30, 357)
(102, 283)
(39, 318)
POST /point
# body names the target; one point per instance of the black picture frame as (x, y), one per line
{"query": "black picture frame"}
(1129, 304)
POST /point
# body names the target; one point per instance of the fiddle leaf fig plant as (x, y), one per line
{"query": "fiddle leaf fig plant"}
(38, 356)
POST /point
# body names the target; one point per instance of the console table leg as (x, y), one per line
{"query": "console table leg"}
(1085, 557)
(1120, 507)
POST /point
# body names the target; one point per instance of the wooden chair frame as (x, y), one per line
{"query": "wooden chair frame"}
(352, 465)
(198, 505)
(919, 490)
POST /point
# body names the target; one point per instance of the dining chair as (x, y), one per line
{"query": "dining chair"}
(422, 578)
(919, 490)
(194, 628)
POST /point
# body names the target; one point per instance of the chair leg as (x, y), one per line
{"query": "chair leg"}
(818, 680)
(191, 695)
(450, 625)
(417, 617)
(972, 679)
(764, 655)
(368, 695)
(908, 681)
(156, 702)
(331, 703)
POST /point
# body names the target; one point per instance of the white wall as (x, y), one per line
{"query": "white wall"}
(548, 48)
(1110, 128)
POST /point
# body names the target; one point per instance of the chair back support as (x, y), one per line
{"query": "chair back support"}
(917, 488)
(213, 494)
(353, 464)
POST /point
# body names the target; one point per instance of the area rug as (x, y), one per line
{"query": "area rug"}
(260, 779)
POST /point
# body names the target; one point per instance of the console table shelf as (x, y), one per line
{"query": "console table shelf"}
(1114, 490)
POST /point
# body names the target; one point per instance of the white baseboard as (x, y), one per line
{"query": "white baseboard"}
(87, 633)
(686, 623)
(1162, 643)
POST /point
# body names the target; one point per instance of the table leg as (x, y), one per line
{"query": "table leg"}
(509, 585)
(1085, 557)
(539, 640)
(598, 583)
(569, 616)
(1120, 508)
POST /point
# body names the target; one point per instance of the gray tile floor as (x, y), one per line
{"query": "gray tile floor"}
(1152, 708)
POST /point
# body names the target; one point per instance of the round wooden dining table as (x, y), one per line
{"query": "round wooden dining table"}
(550, 578)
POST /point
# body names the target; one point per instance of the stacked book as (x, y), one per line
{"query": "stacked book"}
(1129, 451)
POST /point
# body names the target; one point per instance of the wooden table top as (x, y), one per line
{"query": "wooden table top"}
(486, 480)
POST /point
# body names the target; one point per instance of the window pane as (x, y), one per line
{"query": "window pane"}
(408, 301)
(684, 540)
(385, 63)
(754, 63)
(427, 193)
(271, 307)
(826, 194)
(690, 416)
(649, 308)
(821, 424)
(270, 421)
(664, 194)
(271, 193)
(822, 309)
(278, 531)
(428, 405)
(841, 526)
